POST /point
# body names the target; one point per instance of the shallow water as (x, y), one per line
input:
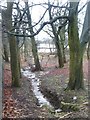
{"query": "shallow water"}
(35, 84)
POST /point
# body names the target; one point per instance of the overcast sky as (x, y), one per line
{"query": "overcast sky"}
(39, 10)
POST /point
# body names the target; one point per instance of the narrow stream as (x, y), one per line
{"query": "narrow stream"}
(35, 84)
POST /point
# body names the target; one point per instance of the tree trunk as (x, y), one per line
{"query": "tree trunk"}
(5, 40)
(35, 54)
(25, 48)
(63, 51)
(76, 71)
(59, 52)
(19, 59)
(88, 51)
(1, 69)
(76, 53)
(5, 53)
(13, 48)
(57, 43)
(62, 37)
(14, 61)
(18, 49)
(19, 64)
(34, 46)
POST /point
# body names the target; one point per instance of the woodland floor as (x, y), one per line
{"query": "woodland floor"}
(21, 102)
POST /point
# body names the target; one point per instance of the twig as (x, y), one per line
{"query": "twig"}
(65, 115)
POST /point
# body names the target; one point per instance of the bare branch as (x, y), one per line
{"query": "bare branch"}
(48, 34)
(82, 7)
(42, 26)
(41, 18)
(62, 25)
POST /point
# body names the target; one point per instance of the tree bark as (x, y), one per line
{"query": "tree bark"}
(88, 51)
(5, 40)
(76, 52)
(34, 46)
(62, 37)
(58, 47)
(14, 61)
(5, 53)
(13, 48)
(57, 43)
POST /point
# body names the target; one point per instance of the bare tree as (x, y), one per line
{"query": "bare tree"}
(34, 45)
(13, 47)
(76, 45)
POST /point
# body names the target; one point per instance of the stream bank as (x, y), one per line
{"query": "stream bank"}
(55, 100)
(75, 102)
(26, 102)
